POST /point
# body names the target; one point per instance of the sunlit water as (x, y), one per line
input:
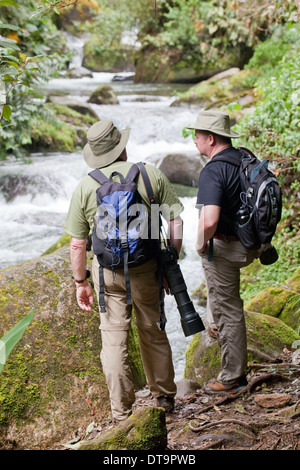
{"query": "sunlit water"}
(33, 218)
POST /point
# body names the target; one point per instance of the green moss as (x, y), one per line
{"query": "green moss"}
(202, 362)
(55, 135)
(291, 313)
(280, 301)
(17, 392)
(268, 333)
(138, 374)
(265, 334)
(67, 114)
(144, 430)
(269, 301)
(217, 91)
(63, 240)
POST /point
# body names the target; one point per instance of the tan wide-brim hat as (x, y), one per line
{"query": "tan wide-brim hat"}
(215, 122)
(105, 144)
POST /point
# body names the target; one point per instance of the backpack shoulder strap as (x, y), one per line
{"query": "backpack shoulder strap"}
(151, 196)
(234, 160)
(132, 174)
(98, 176)
(142, 168)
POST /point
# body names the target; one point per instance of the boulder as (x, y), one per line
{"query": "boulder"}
(143, 430)
(104, 94)
(184, 168)
(266, 338)
(79, 72)
(52, 383)
(281, 301)
(78, 105)
(231, 91)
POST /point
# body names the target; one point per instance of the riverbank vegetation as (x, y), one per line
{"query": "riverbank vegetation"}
(164, 41)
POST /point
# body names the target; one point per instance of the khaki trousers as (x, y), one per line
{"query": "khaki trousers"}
(115, 325)
(225, 306)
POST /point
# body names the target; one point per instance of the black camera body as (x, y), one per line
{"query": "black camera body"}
(190, 320)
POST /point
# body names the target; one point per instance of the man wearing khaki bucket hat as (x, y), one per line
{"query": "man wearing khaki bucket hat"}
(218, 200)
(106, 149)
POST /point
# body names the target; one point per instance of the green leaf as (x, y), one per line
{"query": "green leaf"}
(6, 115)
(8, 43)
(11, 27)
(8, 3)
(12, 337)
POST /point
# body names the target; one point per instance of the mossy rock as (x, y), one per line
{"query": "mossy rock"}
(104, 94)
(64, 131)
(270, 301)
(220, 90)
(266, 337)
(143, 430)
(282, 301)
(52, 383)
(62, 241)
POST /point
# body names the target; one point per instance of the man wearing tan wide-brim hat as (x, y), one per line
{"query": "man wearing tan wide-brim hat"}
(106, 149)
(221, 251)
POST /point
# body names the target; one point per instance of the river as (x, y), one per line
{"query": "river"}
(33, 212)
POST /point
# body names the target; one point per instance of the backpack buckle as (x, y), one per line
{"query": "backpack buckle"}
(125, 245)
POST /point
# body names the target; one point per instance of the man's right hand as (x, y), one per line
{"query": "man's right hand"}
(84, 296)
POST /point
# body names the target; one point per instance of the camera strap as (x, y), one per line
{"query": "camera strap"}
(151, 196)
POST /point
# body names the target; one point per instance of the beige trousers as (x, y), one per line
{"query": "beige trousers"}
(225, 306)
(115, 325)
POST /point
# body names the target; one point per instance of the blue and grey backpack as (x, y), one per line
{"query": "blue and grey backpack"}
(122, 235)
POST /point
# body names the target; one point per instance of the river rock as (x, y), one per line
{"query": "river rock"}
(272, 400)
(186, 386)
(79, 72)
(183, 168)
(79, 106)
(104, 94)
(52, 383)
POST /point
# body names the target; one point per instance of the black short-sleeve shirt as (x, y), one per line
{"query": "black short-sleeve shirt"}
(219, 185)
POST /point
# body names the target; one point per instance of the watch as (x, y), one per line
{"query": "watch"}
(81, 281)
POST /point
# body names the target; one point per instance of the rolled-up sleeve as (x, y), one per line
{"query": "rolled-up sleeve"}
(76, 223)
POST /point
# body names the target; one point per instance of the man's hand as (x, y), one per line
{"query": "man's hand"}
(207, 226)
(84, 296)
(200, 248)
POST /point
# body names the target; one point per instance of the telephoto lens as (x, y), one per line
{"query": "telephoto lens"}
(269, 256)
(190, 320)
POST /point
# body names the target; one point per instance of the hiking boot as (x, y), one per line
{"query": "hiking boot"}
(213, 333)
(219, 387)
(166, 402)
(243, 381)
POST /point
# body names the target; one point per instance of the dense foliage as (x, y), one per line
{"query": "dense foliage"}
(273, 128)
(215, 33)
(31, 50)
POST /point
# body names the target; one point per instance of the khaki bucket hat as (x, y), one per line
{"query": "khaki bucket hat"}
(105, 144)
(215, 122)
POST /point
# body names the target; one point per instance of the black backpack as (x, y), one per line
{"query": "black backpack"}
(261, 200)
(122, 234)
